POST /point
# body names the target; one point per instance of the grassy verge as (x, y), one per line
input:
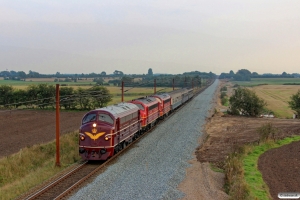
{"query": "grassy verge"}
(33, 165)
(243, 179)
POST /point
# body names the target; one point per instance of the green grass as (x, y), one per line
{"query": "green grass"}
(268, 81)
(33, 165)
(252, 175)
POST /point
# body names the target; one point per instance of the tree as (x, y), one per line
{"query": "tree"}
(284, 74)
(150, 72)
(22, 75)
(294, 104)
(103, 73)
(118, 73)
(246, 102)
(6, 94)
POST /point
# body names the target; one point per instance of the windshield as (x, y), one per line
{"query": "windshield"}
(105, 118)
(89, 118)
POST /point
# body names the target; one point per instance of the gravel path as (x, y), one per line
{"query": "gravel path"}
(155, 167)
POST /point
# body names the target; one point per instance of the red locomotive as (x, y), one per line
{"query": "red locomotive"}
(106, 131)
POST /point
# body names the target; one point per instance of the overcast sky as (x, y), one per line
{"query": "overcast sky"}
(169, 36)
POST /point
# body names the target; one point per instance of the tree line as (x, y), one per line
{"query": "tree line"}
(43, 96)
(246, 75)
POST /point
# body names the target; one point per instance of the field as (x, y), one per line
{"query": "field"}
(268, 81)
(277, 97)
(273, 92)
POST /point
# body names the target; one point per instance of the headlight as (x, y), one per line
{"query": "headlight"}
(107, 137)
(94, 125)
(82, 137)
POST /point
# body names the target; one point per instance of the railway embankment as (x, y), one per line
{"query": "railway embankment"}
(156, 165)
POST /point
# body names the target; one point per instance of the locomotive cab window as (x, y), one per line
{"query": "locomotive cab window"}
(105, 118)
(140, 106)
(89, 118)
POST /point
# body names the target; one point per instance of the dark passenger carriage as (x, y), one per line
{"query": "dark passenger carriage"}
(107, 130)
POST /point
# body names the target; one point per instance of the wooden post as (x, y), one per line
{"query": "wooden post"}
(173, 83)
(154, 86)
(57, 127)
(122, 91)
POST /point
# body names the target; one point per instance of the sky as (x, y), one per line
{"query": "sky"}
(169, 36)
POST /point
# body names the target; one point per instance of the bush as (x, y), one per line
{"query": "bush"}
(267, 131)
(246, 102)
(294, 104)
(223, 89)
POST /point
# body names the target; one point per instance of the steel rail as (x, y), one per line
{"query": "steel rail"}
(55, 182)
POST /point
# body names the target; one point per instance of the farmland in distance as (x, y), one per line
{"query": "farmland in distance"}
(275, 91)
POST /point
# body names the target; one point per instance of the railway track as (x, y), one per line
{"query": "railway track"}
(65, 185)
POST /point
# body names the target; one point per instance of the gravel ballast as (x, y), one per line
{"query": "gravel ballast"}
(156, 165)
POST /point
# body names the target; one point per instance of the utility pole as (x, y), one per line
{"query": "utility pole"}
(154, 86)
(57, 163)
(122, 91)
(173, 83)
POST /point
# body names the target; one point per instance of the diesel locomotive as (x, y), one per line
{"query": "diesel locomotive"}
(106, 131)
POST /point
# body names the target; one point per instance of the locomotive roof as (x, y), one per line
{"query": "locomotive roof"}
(147, 100)
(162, 96)
(120, 109)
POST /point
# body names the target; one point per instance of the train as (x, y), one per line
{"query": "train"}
(106, 131)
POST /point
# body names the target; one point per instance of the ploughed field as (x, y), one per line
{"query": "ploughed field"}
(23, 128)
(278, 166)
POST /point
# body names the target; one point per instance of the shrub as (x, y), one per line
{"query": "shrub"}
(246, 102)
(294, 104)
(267, 131)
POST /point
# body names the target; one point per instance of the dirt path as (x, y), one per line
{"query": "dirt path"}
(22, 128)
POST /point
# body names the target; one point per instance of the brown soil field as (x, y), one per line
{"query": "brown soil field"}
(23, 128)
(281, 169)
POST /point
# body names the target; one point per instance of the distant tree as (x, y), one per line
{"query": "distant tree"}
(284, 74)
(246, 102)
(33, 74)
(294, 104)
(255, 74)
(150, 72)
(103, 73)
(118, 73)
(243, 75)
(22, 75)
(99, 81)
(57, 74)
(127, 80)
